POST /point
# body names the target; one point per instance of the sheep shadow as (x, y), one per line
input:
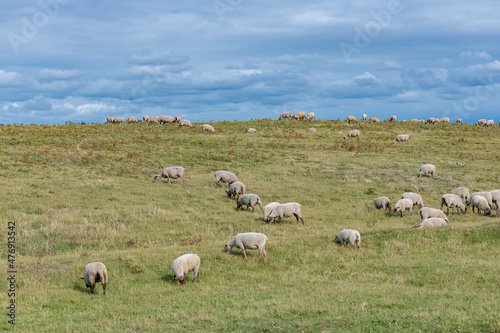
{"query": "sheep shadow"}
(168, 278)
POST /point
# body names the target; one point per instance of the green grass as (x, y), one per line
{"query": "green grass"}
(84, 193)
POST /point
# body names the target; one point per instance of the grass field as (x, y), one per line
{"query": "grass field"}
(84, 193)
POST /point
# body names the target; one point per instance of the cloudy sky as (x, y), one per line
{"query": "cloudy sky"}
(81, 61)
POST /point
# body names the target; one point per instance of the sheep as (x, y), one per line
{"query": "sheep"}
(268, 209)
(414, 121)
(248, 240)
(462, 192)
(207, 128)
(300, 115)
(497, 202)
(185, 264)
(452, 201)
(132, 120)
(352, 134)
(93, 273)
(364, 116)
(459, 121)
(432, 120)
(250, 130)
(480, 202)
(236, 189)
(312, 130)
(110, 120)
(285, 115)
(349, 236)
(402, 137)
(382, 202)
(311, 116)
(495, 194)
(249, 200)
(118, 120)
(431, 222)
(185, 123)
(153, 120)
(426, 212)
(486, 195)
(172, 172)
(177, 119)
(351, 119)
(415, 197)
(489, 123)
(402, 205)
(374, 119)
(427, 169)
(166, 120)
(225, 177)
(481, 122)
(288, 209)
(444, 120)
(393, 118)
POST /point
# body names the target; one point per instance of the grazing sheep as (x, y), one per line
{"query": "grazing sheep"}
(300, 115)
(489, 123)
(250, 130)
(312, 130)
(166, 120)
(248, 240)
(402, 205)
(185, 123)
(452, 201)
(495, 194)
(145, 118)
(185, 264)
(225, 177)
(444, 120)
(285, 115)
(177, 119)
(268, 209)
(462, 192)
(249, 200)
(172, 172)
(486, 195)
(481, 122)
(288, 209)
(382, 202)
(132, 120)
(432, 120)
(352, 134)
(364, 116)
(93, 273)
(414, 121)
(427, 169)
(427, 212)
(393, 118)
(351, 119)
(110, 120)
(479, 202)
(118, 120)
(415, 197)
(207, 128)
(349, 236)
(374, 119)
(459, 121)
(431, 222)
(311, 116)
(402, 137)
(236, 189)
(497, 202)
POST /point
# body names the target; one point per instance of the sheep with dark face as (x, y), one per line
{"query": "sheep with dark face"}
(288, 209)
(349, 236)
(452, 201)
(95, 272)
(480, 202)
(486, 195)
(382, 202)
(236, 189)
(225, 177)
(249, 200)
(172, 172)
(248, 240)
(286, 115)
(184, 264)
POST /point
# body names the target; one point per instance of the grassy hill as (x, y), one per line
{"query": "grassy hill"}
(84, 193)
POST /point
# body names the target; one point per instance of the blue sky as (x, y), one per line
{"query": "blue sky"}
(67, 60)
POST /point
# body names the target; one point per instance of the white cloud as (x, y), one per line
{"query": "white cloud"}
(8, 77)
(407, 96)
(366, 79)
(391, 64)
(475, 55)
(491, 66)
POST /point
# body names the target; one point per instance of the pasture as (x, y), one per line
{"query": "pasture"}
(85, 193)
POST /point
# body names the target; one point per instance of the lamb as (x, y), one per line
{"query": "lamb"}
(352, 134)
(288, 209)
(452, 201)
(351, 119)
(364, 116)
(402, 137)
(311, 116)
(393, 118)
(285, 115)
(349, 236)
(166, 120)
(402, 205)
(172, 172)
(236, 189)
(93, 273)
(132, 120)
(248, 240)
(185, 123)
(427, 212)
(185, 264)
(312, 130)
(250, 130)
(382, 202)
(415, 197)
(462, 192)
(427, 169)
(225, 177)
(207, 128)
(486, 195)
(268, 209)
(249, 200)
(431, 222)
(480, 202)
(374, 119)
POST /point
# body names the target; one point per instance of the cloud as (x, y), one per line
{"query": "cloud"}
(59, 74)
(491, 66)
(391, 64)
(7, 78)
(164, 58)
(366, 79)
(475, 55)
(425, 77)
(407, 96)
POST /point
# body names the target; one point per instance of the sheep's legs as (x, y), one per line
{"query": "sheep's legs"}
(103, 289)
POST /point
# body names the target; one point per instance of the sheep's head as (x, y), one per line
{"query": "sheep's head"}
(227, 248)
(181, 279)
(487, 211)
(158, 176)
(337, 239)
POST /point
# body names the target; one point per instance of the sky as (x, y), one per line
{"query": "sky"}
(83, 61)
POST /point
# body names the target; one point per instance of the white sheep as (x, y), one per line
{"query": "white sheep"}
(248, 240)
(118, 120)
(249, 200)
(352, 134)
(427, 212)
(268, 209)
(285, 115)
(288, 209)
(311, 116)
(364, 116)
(132, 120)
(93, 273)
(459, 121)
(414, 120)
(431, 222)
(312, 130)
(351, 119)
(481, 122)
(300, 115)
(480, 202)
(452, 201)
(393, 118)
(236, 189)
(415, 197)
(374, 119)
(495, 195)
(225, 177)
(172, 172)
(486, 195)
(444, 120)
(402, 137)
(185, 264)
(185, 122)
(110, 120)
(153, 120)
(349, 236)
(427, 169)
(250, 130)
(207, 128)
(402, 205)
(382, 202)
(462, 192)
(489, 123)
(166, 120)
